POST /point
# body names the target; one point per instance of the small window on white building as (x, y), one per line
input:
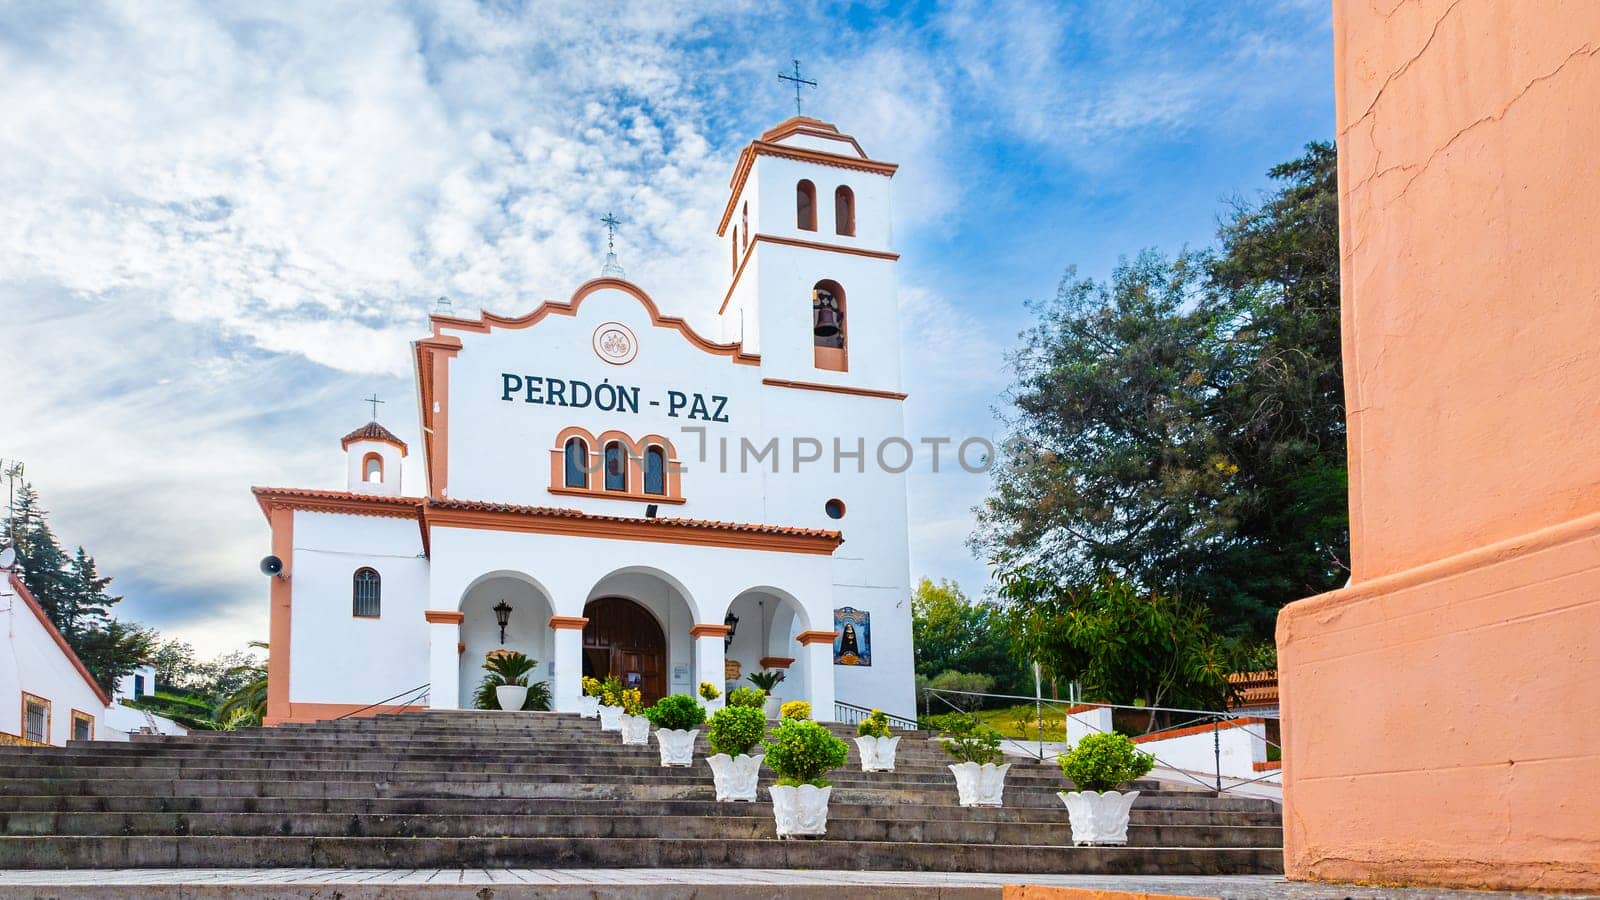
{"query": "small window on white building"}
(35, 719)
(82, 726)
(655, 471)
(616, 467)
(576, 455)
(372, 468)
(366, 594)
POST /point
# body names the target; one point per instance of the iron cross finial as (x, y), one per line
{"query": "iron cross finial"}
(374, 401)
(798, 81)
(611, 222)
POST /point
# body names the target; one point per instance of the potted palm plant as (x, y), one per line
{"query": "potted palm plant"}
(1097, 766)
(875, 743)
(975, 747)
(734, 730)
(505, 683)
(677, 718)
(635, 727)
(589, 703)
(610, 708)
(768, 680)
(801, 752)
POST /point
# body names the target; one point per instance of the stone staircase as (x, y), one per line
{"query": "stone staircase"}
(487, 789)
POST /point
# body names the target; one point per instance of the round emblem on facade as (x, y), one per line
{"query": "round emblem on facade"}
(614, 342)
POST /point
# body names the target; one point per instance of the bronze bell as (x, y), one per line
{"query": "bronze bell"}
(824, 314)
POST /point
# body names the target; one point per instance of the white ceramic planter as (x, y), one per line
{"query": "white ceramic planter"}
(635, 729)
(1098, 817)
(980, 785)
(610, 717)
(877, 753)
(735, 776)
(511, 696)
(800, 810)
(771, 707)
(677, 746)
(588, 707)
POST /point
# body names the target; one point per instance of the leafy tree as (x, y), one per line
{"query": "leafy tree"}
(111, 650)
(1122, 644)
(246, 707)
(951, 633)
(1182, 425)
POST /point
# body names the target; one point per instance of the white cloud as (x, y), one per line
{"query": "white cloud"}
(220, 224)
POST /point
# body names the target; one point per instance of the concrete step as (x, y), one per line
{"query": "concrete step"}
(191, 851)
(733, 827)
(1142, 815)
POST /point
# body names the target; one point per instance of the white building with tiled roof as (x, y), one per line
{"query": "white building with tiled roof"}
(634, 497)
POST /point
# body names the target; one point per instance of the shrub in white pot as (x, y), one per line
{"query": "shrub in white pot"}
(734, 730)
(767, 681)
(635, 727)
(589, 703)
(1097, 766)
(677, 718)
(801, 752)
(975, 747)
(505, 684)
(875, 743)
(610, 708)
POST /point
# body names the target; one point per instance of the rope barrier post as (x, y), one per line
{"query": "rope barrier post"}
(1216, 751)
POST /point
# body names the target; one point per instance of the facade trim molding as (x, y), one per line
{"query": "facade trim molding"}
(444, 616)
(705, 630)
(571, 623)
(816, 637)
(834, 388)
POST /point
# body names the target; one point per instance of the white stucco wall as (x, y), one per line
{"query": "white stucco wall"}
(337, 657)
(1241, 747)
(34, 663)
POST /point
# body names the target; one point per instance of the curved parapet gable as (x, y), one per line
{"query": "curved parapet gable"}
(488, 320)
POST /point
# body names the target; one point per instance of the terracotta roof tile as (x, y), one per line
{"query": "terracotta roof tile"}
(665, 521)
(372, 431)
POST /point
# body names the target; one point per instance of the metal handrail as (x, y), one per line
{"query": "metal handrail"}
(851, 714)
(414, 695)
(1197, 716)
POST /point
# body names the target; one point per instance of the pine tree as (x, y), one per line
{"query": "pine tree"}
(46, 569)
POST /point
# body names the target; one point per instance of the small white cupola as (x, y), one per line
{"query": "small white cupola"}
(374, 455)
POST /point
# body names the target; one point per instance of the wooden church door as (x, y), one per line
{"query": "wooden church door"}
(628, 638)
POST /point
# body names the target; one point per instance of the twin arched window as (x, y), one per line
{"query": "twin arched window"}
(366, 593)
(655, 471)
(805, 209)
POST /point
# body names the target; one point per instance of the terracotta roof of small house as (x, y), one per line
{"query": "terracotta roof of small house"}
(55, 634)
(1254, 688)
(372, 431)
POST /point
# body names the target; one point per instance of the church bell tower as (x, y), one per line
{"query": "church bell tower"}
(811, 264)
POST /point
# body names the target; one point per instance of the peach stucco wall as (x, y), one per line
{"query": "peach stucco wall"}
(1441, 724)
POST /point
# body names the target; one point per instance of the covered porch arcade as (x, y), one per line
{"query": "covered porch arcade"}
(673, 602)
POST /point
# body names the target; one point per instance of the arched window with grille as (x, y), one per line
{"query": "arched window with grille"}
(576, 464)
(655, 471)
(844, 211)
(616, 467)
(366, 593)
(805, 205)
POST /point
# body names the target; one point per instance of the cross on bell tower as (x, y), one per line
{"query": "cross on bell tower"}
(374, 401)
(611, 268)
(798, 81)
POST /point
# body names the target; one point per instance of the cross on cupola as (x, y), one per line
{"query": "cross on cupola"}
(611, 268)
(798, 81)
(374, 401)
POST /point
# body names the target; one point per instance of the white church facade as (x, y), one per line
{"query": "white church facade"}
(635, 497)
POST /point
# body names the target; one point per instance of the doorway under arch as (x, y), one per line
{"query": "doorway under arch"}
(622, 638)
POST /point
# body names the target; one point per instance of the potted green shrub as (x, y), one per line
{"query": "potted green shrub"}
(801, 752)
(634, 726)
(1097, 766)
(875, 743)
(677, 718)
(734, 730)
(610, 709)
(589, 703)
(505, 684)
(975, 747)
(768, 681)
(754, 698)
(795, 709)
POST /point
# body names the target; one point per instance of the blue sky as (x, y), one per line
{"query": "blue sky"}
(220, 225)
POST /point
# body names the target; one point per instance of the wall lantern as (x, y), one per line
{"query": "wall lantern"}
(502, 614)
(732, 621)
